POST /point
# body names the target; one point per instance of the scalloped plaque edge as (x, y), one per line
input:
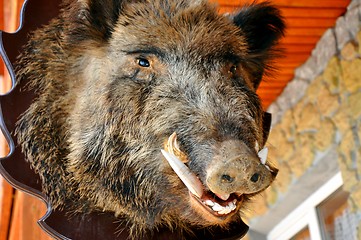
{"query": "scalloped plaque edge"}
(7, 176)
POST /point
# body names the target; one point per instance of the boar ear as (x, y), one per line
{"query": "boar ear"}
(103, 14)
(262, 25)
(92, 19)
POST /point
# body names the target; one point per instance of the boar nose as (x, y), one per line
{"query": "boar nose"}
(241, 174)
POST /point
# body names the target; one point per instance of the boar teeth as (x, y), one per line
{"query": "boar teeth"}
(209, 203)
(216, 207)
(263, 155)
(188, 178)
(224, 211)
(172, 147)
(232, 205)
(221, 209)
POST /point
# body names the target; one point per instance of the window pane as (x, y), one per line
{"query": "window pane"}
(304, 234)
(335, 218)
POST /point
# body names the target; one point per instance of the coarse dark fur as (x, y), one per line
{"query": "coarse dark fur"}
(115, 78)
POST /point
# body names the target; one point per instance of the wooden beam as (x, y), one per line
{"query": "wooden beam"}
(297, 40)
(1, 14)
(11, 10)
(309, 22)
(1, 28)
(289, 3)
(298, 12)
(6, 203)
(300, 32)
(273, 85)
(27, 210)
(278, 78)
(312, 12)
(267, 91)
(295, 58)
(297, 48)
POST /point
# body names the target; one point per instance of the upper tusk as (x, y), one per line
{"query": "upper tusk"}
(263, 155)
(172, 147)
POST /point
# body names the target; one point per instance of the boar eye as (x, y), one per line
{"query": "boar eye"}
(143, 62)
(233, 69)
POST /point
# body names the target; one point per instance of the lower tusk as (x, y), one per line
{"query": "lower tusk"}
(188, 178)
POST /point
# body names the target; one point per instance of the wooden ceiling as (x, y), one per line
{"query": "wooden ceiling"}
(306, 22)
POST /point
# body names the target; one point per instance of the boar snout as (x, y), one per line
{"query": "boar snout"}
(237, 169)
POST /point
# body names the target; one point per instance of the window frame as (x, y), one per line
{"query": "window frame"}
(305, 215)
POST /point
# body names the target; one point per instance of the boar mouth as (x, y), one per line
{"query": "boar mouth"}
(219, 206)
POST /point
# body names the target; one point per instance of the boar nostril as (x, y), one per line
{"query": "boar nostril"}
(227, 178)
(255, 177)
